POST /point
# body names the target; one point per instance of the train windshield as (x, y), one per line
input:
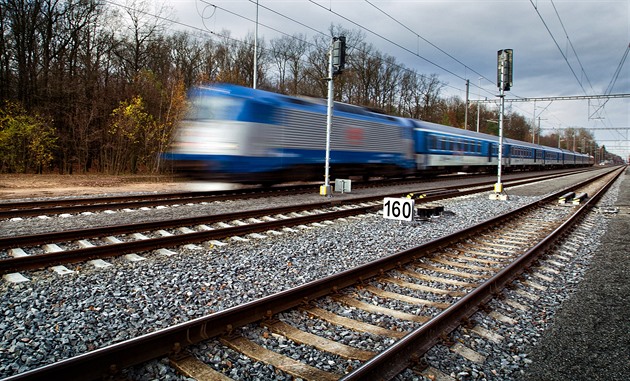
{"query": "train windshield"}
(214, 108)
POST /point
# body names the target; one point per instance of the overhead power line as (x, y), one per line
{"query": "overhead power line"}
(558, 46)
(563, 98)
(428, 42)
(577, 57)
(253, 21)
(389, 40)
(613, 80)
(617, 71)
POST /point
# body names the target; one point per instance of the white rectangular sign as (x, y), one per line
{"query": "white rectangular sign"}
(398, 208)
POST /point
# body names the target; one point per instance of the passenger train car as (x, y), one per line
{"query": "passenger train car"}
(238, 134)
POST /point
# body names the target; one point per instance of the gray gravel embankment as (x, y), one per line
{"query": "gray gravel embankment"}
(54, 317)
(589, 339)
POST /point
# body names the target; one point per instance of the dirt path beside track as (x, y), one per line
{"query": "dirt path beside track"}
(17, 186)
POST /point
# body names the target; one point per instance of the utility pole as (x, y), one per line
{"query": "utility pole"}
(256, 49)
(534, 125)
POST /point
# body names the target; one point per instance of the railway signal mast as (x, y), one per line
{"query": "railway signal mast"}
(336, 65)
(504, 82)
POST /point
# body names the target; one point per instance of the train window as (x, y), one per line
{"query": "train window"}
(432, 143)
(214, 107)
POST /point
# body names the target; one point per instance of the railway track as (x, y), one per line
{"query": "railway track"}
(26, 209)
(434, 287)
(27, 252)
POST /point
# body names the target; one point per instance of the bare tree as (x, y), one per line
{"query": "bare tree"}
(144, 24)
(22, 20)
(287, 54)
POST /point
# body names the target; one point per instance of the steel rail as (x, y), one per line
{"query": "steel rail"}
(52, 237)
(70, 204)
(34, 208)
(31, 208)
(69, 256)
(75, 205)
(110, 360)
(36, 239)
(387, 364)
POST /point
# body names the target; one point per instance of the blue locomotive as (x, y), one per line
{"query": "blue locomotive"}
(241, 135)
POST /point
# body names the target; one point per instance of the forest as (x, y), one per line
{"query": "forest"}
(90, 86)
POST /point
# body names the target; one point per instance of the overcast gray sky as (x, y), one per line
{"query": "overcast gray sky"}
(561, 48)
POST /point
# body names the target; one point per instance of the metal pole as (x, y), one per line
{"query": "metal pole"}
(504, 81)
(499, 187)
(534, 125)
(478, 103)
(466, 112)
(256, 49)
(325, 189)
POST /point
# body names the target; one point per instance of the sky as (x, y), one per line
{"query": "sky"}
(561, 48)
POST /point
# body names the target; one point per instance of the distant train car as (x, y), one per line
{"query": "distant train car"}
(444, 149)
(238, 134)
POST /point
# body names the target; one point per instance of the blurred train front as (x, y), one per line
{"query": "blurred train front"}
(221, 135)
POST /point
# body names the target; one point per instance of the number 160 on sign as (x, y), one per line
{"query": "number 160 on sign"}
(398, 208)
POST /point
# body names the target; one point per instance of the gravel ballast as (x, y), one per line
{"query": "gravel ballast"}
(54, 317)
(589, 338)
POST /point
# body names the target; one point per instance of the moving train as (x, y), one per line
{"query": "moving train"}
(242, 135)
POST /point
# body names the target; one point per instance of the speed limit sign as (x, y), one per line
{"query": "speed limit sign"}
(398, 208)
